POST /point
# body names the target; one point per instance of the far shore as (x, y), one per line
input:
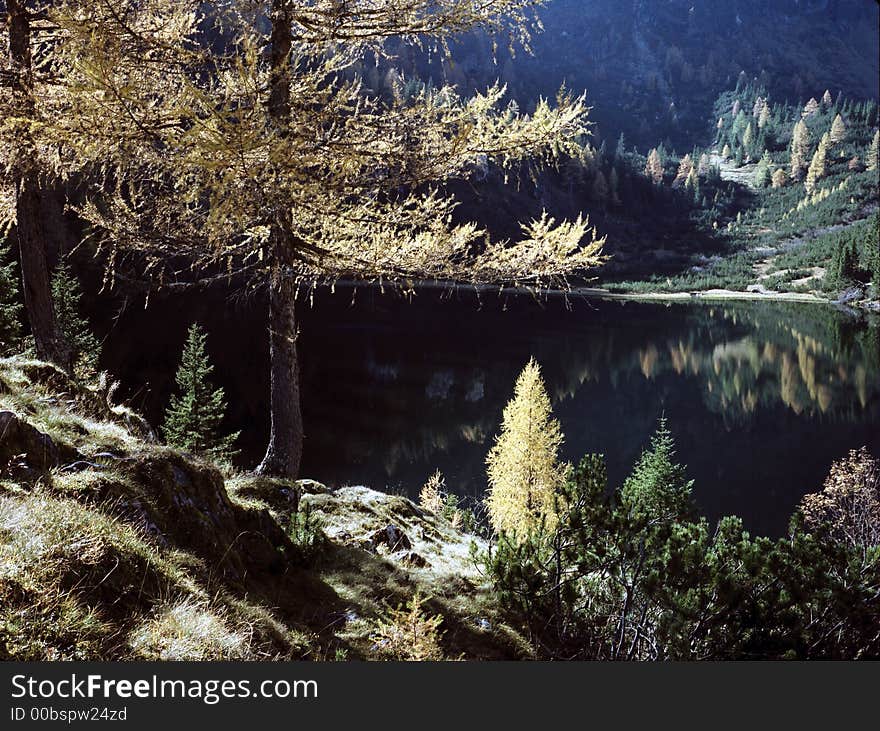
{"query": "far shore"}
(706, 295)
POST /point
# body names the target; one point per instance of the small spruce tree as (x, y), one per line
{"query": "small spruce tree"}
(194, 415)
(658, 488)
(523, 466)
(67, 299)
(10, 307)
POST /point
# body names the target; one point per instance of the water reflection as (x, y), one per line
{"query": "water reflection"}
(761, 397)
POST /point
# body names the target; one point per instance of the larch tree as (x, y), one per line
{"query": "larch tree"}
(826, 99)
(685, 166)
(523, 465)
(800, 149)
(23, 170)
(838, 130)
(873, 152)
(818, 164)
(779, 178)
(811, 108)
(251, 148)
(764, 116)
(654, 167)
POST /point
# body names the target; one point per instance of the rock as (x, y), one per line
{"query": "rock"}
(852, 294)
(312, 487)
(392, 537)
(25, 449)
(411, 558)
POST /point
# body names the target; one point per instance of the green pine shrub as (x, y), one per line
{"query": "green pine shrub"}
(67, 298)
(10, 306)
(195, 414)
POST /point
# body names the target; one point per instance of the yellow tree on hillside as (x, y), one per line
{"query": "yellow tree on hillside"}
(654, 167)
(817, 164)
(873, 151)
(800, 149)
(241, 141)
(838, 130)
(684, 170)
(523, 466)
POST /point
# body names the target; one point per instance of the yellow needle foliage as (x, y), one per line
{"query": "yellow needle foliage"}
(523, 465)
(209, 152)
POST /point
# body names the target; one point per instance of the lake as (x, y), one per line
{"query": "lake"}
(760, 397)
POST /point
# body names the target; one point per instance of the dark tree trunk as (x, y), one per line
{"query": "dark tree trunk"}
(286, 435)
(50, 341)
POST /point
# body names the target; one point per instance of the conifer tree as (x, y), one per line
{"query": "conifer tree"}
(658, 488)
(216, 122)
(873, 151)
(196, 412)
(67, 300)
(523, 466)
(811, 108)
(725, 153)
(692, 182)
(600, 188)
(800, 149)
(826, 99)
(620, 150)
(764, 117)
(10, 307)
(654, 167)
(817, 164)
(762, 172)
(838, 130)
(757, 107)
(684, 170)
(747, 141)
(779, 178)
(614, 186)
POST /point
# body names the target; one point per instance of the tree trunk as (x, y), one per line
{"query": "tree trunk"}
(286, 434)
(284, 453)
(50, 341)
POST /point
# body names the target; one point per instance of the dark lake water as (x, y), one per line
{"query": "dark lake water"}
(761, 397)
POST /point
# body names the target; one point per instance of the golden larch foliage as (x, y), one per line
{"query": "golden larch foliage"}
(818, 164)
(523, 466)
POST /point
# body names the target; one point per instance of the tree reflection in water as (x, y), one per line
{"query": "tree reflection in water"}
(761, 396)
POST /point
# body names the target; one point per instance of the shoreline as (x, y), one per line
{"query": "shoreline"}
(713, 295)
(706, 295)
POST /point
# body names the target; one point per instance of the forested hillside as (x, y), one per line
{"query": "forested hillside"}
(653, 69)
